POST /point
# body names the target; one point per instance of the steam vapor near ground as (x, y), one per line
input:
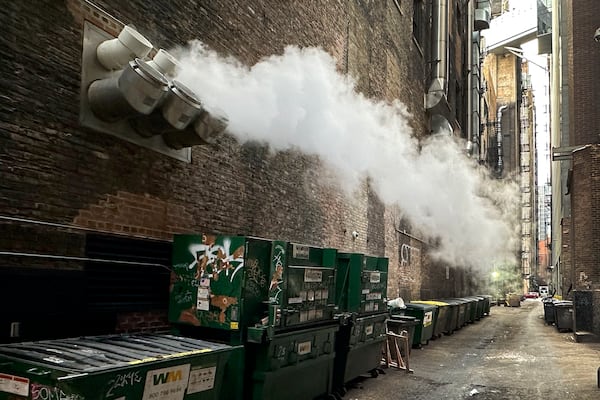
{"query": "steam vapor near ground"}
(298, 100)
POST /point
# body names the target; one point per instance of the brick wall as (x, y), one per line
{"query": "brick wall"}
(585, 215)
(55, 171)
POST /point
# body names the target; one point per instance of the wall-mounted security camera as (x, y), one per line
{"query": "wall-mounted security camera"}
(597, 35)
(354, 234)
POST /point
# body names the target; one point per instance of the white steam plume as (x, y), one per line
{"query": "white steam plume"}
(298, 100)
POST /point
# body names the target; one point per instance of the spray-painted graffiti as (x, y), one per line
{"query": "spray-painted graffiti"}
(122, 381)
(255, 278)
(277, 278)
(406, 254)
(213, 259)
(41, 392)
(184, 297)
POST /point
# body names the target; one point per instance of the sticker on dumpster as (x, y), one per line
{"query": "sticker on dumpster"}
(313, 275)
(201, 379)
(428, 318)
(369, 330)
(304, 348)
(373, 296)
(167, 383)
(301, 252)
(203, 304)
(375, 277)
(14, 384)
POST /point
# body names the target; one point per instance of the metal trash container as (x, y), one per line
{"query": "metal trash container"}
(398, 323)
(563, 315)
(425, 313)
(440, 325)
(139, 366)
(548, 303)
(487, 303)
(463, 310)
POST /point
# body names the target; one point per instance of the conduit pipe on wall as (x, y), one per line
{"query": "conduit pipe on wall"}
(470, 28)
(439, 85)
(499, 136)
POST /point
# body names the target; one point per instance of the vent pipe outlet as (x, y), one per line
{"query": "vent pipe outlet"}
(179, 108)
(164, 62)
(116, 53)
(138, 89)
(205, 130)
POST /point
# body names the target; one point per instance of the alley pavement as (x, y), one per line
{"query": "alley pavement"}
(511, 354)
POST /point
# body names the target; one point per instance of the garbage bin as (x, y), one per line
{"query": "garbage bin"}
(463, 310)
(425, 313)
(563, 315)
(440, 325)
(140, 366)
(487, 303)
(398, 323)
(548, 310)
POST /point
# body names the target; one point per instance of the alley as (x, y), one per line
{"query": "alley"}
(512, 354)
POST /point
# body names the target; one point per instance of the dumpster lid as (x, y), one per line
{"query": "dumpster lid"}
(425, 307)
(431, 302)
(98, 353)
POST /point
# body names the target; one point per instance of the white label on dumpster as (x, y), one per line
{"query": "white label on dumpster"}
(313, 275)
(304, 348)
(375, 277)
(373, 296)
(14, 384)
(167, 383)
(201, 379)
(428, 318)
(369, 330)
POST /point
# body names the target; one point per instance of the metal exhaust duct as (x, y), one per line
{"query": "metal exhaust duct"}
(179, 108)
(116, 53)
(204, 130)
(138, 89)
(164, 62)
(438, 88)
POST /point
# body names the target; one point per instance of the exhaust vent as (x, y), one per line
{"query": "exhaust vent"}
(128, 95)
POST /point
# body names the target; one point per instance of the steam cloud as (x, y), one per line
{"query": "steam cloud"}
(298, 100)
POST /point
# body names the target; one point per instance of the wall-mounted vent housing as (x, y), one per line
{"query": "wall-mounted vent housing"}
(125, 94)
(482, 19)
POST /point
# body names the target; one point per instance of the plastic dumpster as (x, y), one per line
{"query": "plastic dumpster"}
(487, 303)
(548, 303)
(358, 349)
(463, 310)
(295, 365)
(141, 366)
(425, 313)
(398, 323)
(563, 315)
(441, 320)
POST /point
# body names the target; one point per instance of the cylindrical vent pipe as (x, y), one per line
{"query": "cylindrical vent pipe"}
(439, 85)
(164, 62)
(204, 130)
(116, 53)
(137, 90)
(179, 108)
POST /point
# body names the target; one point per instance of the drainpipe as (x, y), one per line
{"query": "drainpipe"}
(499, 135)
(470, 29)
(439, 85)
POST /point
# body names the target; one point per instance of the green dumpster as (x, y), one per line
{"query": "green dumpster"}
(487, 303)
(461, 305)
(361, 290)
(398, 323)
(479, 306)
(295, 365)
(440, 325)
(425, 313)
(141, 366)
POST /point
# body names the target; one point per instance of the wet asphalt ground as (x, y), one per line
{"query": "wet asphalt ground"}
(511, 354)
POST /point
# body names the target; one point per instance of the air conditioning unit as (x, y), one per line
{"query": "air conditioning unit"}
(482, 19)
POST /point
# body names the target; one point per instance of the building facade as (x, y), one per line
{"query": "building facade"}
(88, 209)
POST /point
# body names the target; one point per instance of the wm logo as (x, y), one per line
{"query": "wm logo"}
(166, 377)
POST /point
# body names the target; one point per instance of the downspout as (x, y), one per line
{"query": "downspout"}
(499, 136)
(470, 29)
(439, 84)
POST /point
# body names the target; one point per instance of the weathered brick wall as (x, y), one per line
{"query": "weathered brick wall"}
(53, 170)
(583, 72)
(585, 218)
